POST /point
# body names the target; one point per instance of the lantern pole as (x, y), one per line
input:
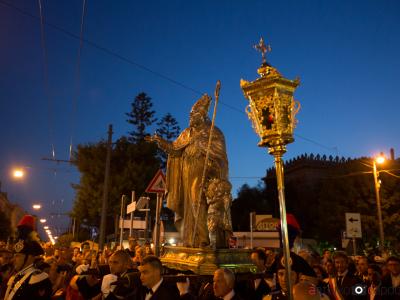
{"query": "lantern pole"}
(272, 111)
(282, 205)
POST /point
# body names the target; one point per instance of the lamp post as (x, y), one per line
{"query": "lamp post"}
(379, 160)
(272, 111)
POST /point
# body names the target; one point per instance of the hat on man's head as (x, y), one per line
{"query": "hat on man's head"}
(27, 221)
(26, 229)
(291, 221)
(297, 264)
(202, 105)
(28, 247)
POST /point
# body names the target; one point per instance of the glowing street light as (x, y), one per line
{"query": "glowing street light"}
(378, 160)
(18, 173)
(42, 220)
(36, 206)
(46, 227)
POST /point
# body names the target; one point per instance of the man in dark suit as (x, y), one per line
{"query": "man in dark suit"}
(257, 288)
(223, 284)
(391, 282)
(362, 269)
(153, 287)
(348, 285)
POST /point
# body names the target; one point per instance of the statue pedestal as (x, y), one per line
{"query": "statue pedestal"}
(205, 261)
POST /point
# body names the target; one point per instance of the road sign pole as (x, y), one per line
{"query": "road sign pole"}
(354, 247)
(122, 217)
(157, 225)
(146, 230)
(131, 226)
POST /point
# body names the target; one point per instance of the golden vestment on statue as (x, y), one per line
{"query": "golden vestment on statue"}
(184, 175)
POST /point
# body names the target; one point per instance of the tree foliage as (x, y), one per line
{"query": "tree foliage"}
(134, 162)
(141, 117)
(132, 167)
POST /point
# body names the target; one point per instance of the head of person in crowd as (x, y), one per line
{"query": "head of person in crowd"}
(329, 267)
(393, 265)
(76, 251)
(148, 250)
(320, 272)
(305, 291)
(374, 274)
(341, 262)
(25, 254)
(85, 248)
(139, 255)
(132, 243)
(326, 254)
(385, 270)
(281, 275)
(259, 259)
(119, 262)
(5, 256)
(300, 270)
(362, 266)
(223, 282)
(150, 271)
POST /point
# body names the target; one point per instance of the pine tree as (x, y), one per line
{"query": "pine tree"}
(168, 129)
(141, 117)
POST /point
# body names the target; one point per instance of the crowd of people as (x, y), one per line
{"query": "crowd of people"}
(29, 270)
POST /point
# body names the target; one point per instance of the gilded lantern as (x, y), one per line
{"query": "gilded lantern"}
(271, 108)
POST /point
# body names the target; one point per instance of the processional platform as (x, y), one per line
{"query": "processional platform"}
(204, 261)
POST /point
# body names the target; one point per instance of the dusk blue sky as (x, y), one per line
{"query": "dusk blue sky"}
(346, 54)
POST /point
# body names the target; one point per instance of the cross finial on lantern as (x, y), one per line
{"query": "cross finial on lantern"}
(261, 47)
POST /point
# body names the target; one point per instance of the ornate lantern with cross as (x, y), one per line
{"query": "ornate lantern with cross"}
(272, 110)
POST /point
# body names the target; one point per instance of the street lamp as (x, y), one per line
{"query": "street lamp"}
(379, 159)
(18, 173)
(42, 220)
(36, 206)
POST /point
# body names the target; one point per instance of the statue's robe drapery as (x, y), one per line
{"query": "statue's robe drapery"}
(184, 175)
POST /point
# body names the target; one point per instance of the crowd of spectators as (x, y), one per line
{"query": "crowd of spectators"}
(135, 273)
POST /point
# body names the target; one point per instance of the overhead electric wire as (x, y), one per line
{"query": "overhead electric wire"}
(156, 73)
(77, 83)
(46, 80)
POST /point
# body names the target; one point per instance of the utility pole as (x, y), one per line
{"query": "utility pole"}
(105, 191)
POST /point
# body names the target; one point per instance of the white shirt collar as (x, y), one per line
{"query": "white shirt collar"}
(230, 295)
(343, 274)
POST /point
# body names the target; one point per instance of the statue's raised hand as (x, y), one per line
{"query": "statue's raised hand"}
(152, 138)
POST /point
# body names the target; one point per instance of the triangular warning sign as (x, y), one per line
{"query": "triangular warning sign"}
(157, 184)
